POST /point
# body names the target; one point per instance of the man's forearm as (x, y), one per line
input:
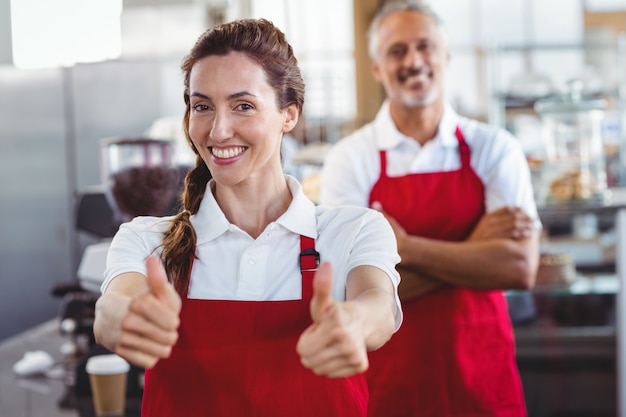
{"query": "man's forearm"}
(414, 284)
(488, 264)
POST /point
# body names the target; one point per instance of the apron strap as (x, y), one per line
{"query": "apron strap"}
(309, 261)
(383, 163)
(464, 149)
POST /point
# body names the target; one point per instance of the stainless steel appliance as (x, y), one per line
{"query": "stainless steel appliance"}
(139, 177)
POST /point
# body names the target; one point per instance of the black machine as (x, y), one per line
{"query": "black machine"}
(139, 178)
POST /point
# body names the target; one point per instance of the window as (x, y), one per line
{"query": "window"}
(323, 42)
(64, 32)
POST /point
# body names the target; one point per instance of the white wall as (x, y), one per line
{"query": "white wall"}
(6, 56)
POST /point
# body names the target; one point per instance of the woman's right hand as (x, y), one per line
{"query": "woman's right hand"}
(138, 317)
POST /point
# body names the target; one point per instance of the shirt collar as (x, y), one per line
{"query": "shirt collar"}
(447, 127)
(300, 216)
(388, 137)
(210, 222)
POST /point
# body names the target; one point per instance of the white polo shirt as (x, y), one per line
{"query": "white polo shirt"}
(234, 266)
(352, 166)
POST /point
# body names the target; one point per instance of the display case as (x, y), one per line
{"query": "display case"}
(520, 75)
(572, 349)
(572, 353)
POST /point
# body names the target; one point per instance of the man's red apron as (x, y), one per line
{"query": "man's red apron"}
(238, 358)
(454, 354)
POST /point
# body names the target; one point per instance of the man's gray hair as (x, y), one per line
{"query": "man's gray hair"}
(393, 6)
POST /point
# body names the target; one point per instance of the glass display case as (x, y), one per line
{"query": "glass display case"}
(521, 76)
(572, 351)
(571, 131)
(571, 346)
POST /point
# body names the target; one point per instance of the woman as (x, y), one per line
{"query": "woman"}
(247, 327)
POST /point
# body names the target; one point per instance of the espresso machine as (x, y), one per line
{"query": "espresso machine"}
(139, 176)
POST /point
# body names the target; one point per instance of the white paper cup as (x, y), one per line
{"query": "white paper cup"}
(108, 375)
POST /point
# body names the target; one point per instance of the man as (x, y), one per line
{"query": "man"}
(458, 195)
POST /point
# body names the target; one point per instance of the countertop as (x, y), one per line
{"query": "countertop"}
(43, 396)
(575, 356)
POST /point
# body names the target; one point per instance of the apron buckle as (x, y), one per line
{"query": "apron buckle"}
(309, 259)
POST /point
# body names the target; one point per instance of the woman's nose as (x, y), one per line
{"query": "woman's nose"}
(221, 128)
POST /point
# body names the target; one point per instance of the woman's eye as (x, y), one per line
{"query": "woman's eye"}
(244, 106)
(200, 107)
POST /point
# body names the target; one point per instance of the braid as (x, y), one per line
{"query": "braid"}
(179, 241)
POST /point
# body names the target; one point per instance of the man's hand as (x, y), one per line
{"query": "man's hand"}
(504, 223)
(334, 345)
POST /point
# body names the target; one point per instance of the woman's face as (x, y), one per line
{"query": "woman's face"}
(234, 121)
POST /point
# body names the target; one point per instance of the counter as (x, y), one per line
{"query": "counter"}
(563, 369)
(568, 370)
(43, 396)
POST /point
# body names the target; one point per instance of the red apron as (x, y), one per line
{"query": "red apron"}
(238, 358)
(454, 354)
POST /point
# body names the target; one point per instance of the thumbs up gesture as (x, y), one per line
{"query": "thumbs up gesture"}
(334, 344)
(137, 317)
(160, 287)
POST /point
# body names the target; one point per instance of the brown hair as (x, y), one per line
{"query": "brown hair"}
(265, 44)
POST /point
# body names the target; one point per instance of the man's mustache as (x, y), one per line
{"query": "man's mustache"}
(407, 73)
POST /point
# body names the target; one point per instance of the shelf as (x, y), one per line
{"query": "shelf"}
(548, 343)
(613, 200)
(555, 47)
(582, 284)
(513, 102)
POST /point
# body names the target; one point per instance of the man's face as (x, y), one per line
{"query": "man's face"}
(411, 59)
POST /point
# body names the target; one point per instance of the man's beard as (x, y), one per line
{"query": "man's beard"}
(408, 99)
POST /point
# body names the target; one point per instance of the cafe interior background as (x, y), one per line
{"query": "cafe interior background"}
(83, 81)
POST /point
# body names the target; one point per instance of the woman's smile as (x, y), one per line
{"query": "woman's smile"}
(226, 153)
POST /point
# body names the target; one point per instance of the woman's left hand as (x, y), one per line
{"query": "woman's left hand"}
(334, 345)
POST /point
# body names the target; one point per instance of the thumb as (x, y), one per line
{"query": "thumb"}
(322, 291)
(159, 285)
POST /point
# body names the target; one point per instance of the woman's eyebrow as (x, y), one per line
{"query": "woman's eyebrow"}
(200, 95)
(241, 94)
(230, 97)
